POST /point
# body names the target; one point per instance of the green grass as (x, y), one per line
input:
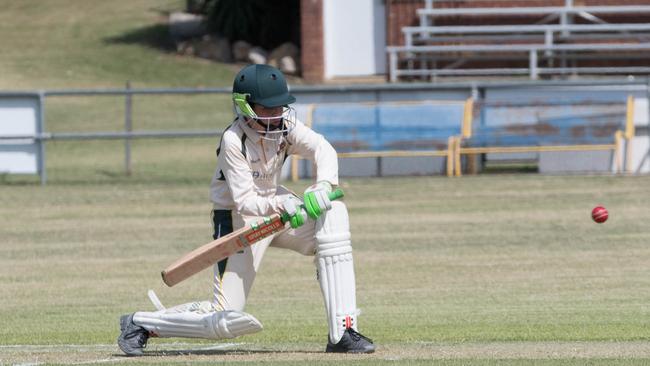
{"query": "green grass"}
(488, 270)
(476, 270)
(95, 43)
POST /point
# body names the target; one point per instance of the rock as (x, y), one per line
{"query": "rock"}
(214, 47)
(185, 48)
(240, 51)
(186, 25)
(285, 57)
(288, 65)
(257, 55)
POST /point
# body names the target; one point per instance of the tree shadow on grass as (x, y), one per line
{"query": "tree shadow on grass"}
(153, 36)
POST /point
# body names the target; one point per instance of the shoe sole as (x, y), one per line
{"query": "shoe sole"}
(350, 351)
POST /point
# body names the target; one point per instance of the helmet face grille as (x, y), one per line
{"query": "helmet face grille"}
(276, 131)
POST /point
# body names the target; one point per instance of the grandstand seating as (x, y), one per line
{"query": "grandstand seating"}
(535, 41)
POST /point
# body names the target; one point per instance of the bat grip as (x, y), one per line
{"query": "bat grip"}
(334, 195)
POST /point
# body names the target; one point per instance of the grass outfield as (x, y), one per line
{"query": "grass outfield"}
(487, 270)
(97, 44)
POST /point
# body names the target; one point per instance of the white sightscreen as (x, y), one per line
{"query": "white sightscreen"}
(19, 117)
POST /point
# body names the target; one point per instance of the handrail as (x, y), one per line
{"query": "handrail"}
(525, 28)
(522, 47)
(531, 49)
(112, 135)
(564, 10)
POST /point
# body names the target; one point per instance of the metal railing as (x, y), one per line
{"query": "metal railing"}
(560, 12)
(545, 32)
(445, 60)
(306, 95)
(531, 50)
(42, 136)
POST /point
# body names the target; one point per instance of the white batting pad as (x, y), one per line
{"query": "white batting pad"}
(197, 320)
(336, 270)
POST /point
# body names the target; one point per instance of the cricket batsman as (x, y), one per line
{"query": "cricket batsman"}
(244, 188)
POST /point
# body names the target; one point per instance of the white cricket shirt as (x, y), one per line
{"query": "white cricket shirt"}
(249, 167)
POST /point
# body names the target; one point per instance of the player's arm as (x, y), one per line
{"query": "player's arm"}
(310, 145)
(237, 173)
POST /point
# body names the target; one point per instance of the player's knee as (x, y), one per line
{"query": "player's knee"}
(231, 324)
(333, 231)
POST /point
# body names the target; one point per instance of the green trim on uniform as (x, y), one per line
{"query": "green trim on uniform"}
(222, 223)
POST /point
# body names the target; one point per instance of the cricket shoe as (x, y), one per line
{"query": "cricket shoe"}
(351, 342)
(133, 337)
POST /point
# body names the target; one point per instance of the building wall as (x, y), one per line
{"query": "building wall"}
(400, 13)
(312, 51)
(352, 36)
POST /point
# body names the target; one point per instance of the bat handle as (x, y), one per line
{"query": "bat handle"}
(334, 195)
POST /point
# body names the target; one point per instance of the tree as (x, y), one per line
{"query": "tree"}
(265, 23)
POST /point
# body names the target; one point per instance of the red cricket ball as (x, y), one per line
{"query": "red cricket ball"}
(599, 214)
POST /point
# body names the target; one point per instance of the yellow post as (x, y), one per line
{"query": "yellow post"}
(457, 161)
(617, 151)
(295, 158)
(629, 118)
(629, 133)
(310, 115)
(467, 118)
(450, 156)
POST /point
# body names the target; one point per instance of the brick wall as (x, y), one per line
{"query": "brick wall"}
(312, 53)
(400, 13)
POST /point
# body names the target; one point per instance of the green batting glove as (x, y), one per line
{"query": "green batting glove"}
(293, 212)
(317, 199)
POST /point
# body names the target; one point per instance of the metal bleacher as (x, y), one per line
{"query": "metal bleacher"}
(536, 41)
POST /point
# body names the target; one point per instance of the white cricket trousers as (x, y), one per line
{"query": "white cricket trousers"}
(234, 276)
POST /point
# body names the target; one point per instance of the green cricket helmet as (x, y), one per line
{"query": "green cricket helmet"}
(260, 84)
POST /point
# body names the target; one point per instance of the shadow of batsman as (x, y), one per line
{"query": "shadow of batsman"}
(223, 247)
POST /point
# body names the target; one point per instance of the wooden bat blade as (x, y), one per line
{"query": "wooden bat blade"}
(216, 250)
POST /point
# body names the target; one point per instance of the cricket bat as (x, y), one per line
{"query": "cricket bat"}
(216, 250)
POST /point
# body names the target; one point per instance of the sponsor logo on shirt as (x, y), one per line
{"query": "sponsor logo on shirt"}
(258, 175)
